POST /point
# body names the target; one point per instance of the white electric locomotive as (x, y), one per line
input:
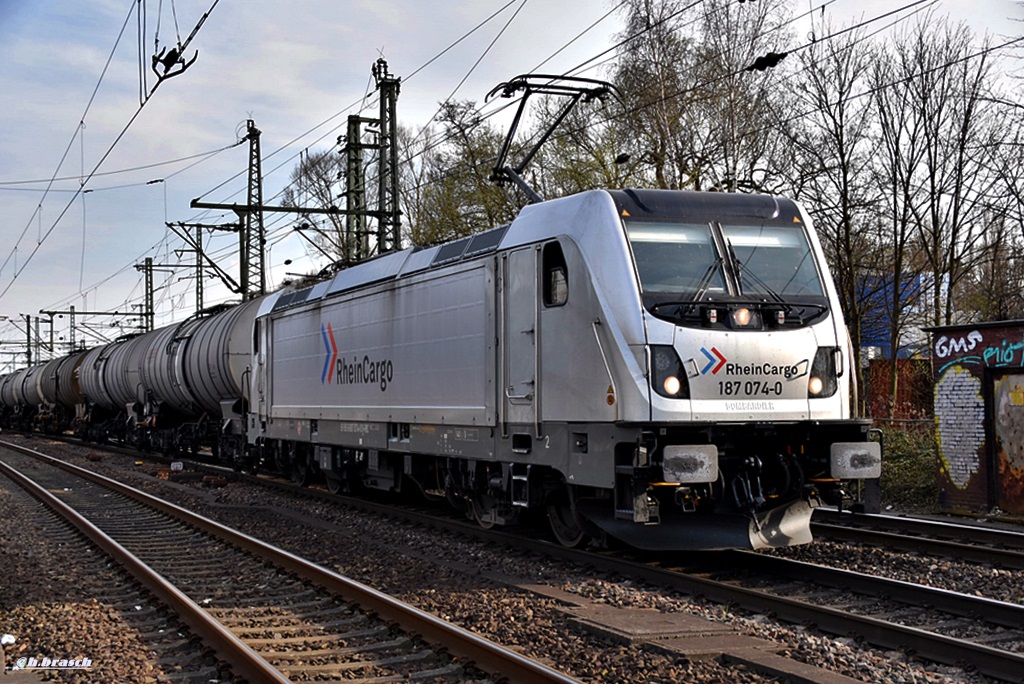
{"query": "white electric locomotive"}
(668, 368)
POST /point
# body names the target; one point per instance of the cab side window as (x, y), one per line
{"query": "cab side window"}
(556, 275)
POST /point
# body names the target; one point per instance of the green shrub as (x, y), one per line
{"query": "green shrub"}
(909, 466)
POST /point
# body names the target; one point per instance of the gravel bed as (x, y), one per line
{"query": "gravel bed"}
(441, 574)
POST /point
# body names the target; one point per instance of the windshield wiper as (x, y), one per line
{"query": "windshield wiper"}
(705, 283)
(753, 276)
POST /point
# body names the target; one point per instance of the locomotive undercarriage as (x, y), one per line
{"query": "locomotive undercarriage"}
(765, 481)
(767, 477)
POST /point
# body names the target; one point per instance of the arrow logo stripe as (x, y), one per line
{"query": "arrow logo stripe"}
(721, 360)
(327, 354)
(714, 358)
(334, 353)
(711, 361)
(330, 353)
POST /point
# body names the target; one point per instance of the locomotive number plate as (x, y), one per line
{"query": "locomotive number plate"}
(749, 388)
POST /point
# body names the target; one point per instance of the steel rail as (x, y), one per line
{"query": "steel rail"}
(965, 605)
(483, 653)
(988, 661)
(1007, 558)
(244, 661)
(938, 648)
(938, 528)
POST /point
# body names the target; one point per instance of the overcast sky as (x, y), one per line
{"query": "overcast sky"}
(289, 66)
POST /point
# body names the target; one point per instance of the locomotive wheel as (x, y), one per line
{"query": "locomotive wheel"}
(300, 471)
(335, 485)
(565, 522)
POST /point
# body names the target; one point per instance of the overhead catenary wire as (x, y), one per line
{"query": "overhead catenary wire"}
(443, 138)
(98, 164)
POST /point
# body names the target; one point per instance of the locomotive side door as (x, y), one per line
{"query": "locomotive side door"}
(258, 379)
(520, 393)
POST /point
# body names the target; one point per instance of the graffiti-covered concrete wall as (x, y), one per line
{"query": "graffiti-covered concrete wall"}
(979, 416)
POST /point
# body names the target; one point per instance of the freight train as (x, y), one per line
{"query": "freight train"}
(668, 368)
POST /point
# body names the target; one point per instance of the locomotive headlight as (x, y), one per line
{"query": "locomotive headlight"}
(742, 317)
(667, 376)
(824, 379)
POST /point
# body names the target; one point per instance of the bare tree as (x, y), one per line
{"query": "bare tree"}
(834, 149)
(653, 73)
(316, 182)
(950, 88)
(737, 48)
(900, 158)
(457, 197)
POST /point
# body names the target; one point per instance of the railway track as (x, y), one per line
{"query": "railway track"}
(271, 616)
(936, 625)
(975, 543)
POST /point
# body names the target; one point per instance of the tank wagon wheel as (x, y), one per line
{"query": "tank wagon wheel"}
(565, 522)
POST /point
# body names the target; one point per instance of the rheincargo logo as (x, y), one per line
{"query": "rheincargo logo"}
(788, 372)
(365, 371)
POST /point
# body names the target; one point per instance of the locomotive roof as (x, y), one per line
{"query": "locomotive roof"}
(573, 215)
(718, 206)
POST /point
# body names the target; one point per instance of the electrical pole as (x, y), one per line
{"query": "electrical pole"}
(148, 313)
(72, 314)
(389, 221)
(196, 245)
(199, 269)
(28, 338)
(254, 276)
(357, 240)
(252, 238)
(252, 280)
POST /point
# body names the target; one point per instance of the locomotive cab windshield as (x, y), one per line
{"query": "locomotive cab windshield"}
(689, 270)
